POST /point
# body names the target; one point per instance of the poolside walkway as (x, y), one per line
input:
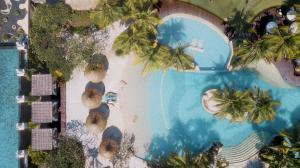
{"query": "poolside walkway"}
(170, 7)
(287, 72)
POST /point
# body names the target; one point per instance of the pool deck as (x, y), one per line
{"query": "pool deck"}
(286, 70)
(168, 8)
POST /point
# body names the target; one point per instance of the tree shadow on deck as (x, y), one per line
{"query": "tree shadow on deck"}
(195, 134)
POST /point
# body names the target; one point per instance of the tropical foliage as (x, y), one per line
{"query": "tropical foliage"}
(51, 45)
(283, 44)
(284, 149)
(234, 103)
(68, 154)
(141, 35)
(37, 157)
(252, 105)
(249, 52)
(264, 106)
(187, 159)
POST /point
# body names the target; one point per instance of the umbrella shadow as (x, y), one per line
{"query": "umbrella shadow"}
(113, 133)
(103, 109)
(195, 134)
(100, 87)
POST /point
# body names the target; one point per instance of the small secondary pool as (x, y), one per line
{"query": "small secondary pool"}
(9, 109)
(175, 113)
(213, 51)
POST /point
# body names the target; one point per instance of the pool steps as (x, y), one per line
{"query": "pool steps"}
(246, 150)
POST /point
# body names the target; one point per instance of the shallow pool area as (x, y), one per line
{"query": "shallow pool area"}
(178, 120)
(9, 109)
(176, 116)
(209, 48)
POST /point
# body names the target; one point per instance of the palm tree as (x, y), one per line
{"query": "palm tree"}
(186, 160)
(130, 41)
(179, 59)
(283, 44)
(249, 52)
(207, 159)
(146, 20)
(139, 5)
(234, 104)
(265, 106)
(108, 12)
(154, 59)
(284, 149)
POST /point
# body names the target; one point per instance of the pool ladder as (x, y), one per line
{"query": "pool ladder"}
(246, 150)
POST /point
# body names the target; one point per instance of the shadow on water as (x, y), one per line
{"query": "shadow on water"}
(295, 116)
(195, 134)
(171, 32)
(240, 79)
(176, 94)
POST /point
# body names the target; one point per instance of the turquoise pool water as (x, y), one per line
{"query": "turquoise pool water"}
(9, 88)
(178, 120)
(216, 50)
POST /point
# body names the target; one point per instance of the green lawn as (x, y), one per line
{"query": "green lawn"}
(226, 8)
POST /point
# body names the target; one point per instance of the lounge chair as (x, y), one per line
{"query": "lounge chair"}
(21, 126)
(20, 72)
(20, 99)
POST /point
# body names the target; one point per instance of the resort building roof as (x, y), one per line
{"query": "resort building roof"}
(42, 112)
(42, 85)
(41, 139)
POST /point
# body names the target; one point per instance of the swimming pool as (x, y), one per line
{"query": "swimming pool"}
(214, 49)
(9, 110)
(177, 119)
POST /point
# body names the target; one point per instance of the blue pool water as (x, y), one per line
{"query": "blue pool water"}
(9, 88)
(178, 120)
(216, 53)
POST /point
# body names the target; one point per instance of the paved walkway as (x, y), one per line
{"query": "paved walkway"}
(286, 70)
(168, 8)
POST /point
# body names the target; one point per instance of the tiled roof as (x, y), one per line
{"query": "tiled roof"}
(42, 112)
(41, 85)
(42, 139)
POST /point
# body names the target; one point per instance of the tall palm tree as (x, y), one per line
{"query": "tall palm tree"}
(130, 41)
(154, 59)
(186, 160)
(139, 5)
(108, 12)
(284, 150)
(146, 20)
(179, 59)
(233, 103)
(249, 52)
(283, 44)
(265, 106)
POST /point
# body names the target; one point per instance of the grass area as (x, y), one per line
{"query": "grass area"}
(226, 8)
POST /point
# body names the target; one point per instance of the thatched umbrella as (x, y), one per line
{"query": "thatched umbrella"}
(109, 148)
(91, 98)
(96, 122)
(95, 73)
